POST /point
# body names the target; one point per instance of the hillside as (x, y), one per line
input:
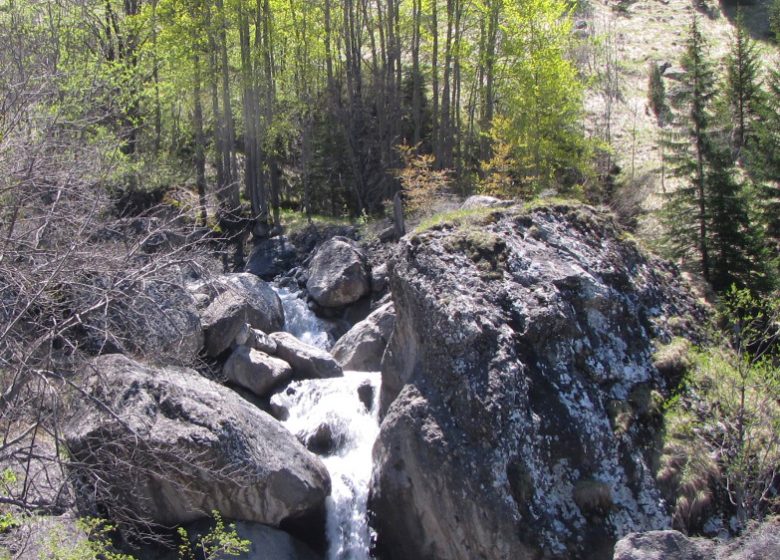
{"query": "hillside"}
(635, 35)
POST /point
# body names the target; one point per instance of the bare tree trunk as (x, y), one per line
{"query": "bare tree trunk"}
(200, 141)
(416, 77)
(435, 75)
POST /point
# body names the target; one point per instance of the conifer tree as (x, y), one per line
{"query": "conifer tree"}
(764, 155)
(686, 212)
(709, 213)
(743, 85)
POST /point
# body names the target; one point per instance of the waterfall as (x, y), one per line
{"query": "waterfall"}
(338, 419)
(301, 322)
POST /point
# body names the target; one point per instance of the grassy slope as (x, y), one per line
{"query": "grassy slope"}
(648, 31)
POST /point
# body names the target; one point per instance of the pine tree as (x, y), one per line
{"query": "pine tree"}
(736, 244)
(743, 85)
(686, 212)
(709, 213)
(764, 155)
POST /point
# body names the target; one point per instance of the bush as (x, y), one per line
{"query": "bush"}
(422, 184)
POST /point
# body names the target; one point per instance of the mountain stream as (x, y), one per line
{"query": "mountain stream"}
(337, 419)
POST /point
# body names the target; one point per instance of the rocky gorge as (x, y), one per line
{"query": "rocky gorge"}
(494, 390)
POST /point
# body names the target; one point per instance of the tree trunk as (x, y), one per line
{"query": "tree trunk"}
(200, 141)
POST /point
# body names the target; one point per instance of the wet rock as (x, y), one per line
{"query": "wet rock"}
(362, 347)
(237, 299)
(256, 371)
(338, 275)
(169, 446)
(512, 336)
(322, 441)
(267, 543)
(271, 257)
(366, 395)
(308, 362)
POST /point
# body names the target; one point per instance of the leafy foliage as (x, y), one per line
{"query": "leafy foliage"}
(220, 542)
(422, 183)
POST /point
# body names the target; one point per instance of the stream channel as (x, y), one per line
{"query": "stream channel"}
(330, 413)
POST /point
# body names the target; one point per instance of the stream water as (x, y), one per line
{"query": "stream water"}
(344, 427)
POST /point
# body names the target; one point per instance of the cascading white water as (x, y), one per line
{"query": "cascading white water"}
(345, 427)
(301, 322)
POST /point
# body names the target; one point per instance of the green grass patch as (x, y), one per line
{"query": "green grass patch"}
(456, 218)
(296, 221)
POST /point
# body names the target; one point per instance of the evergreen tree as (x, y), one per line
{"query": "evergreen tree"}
(764, 155)
(709, 214)
(688, 148)
(743, 85)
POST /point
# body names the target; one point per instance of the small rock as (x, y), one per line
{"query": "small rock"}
(256, 339)
(366, 395)
(322, 441)
(271, 257)
(238, 299)
(379, 278)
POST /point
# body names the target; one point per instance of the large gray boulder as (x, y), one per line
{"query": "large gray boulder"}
(256, 371)
(168, 446)
(338, 274)
(361, 348)
(308, 362)
(663, 545)
(236, 300)
(518, 338)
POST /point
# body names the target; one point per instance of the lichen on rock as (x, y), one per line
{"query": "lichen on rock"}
(514, 339)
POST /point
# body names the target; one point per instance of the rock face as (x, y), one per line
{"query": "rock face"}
(256, 371)
(516, 336)
(361, 348)
(338, 274)
(169, 446)
(308, 362)
(237, 299)
(663, 545)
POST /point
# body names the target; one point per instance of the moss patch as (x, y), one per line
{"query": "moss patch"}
(486, 250)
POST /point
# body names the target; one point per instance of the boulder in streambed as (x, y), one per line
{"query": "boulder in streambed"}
(338, 275)
(235, 300)
(256, 371)
(168, 446)
(516, 333)
(307, 361)
(361, 348)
